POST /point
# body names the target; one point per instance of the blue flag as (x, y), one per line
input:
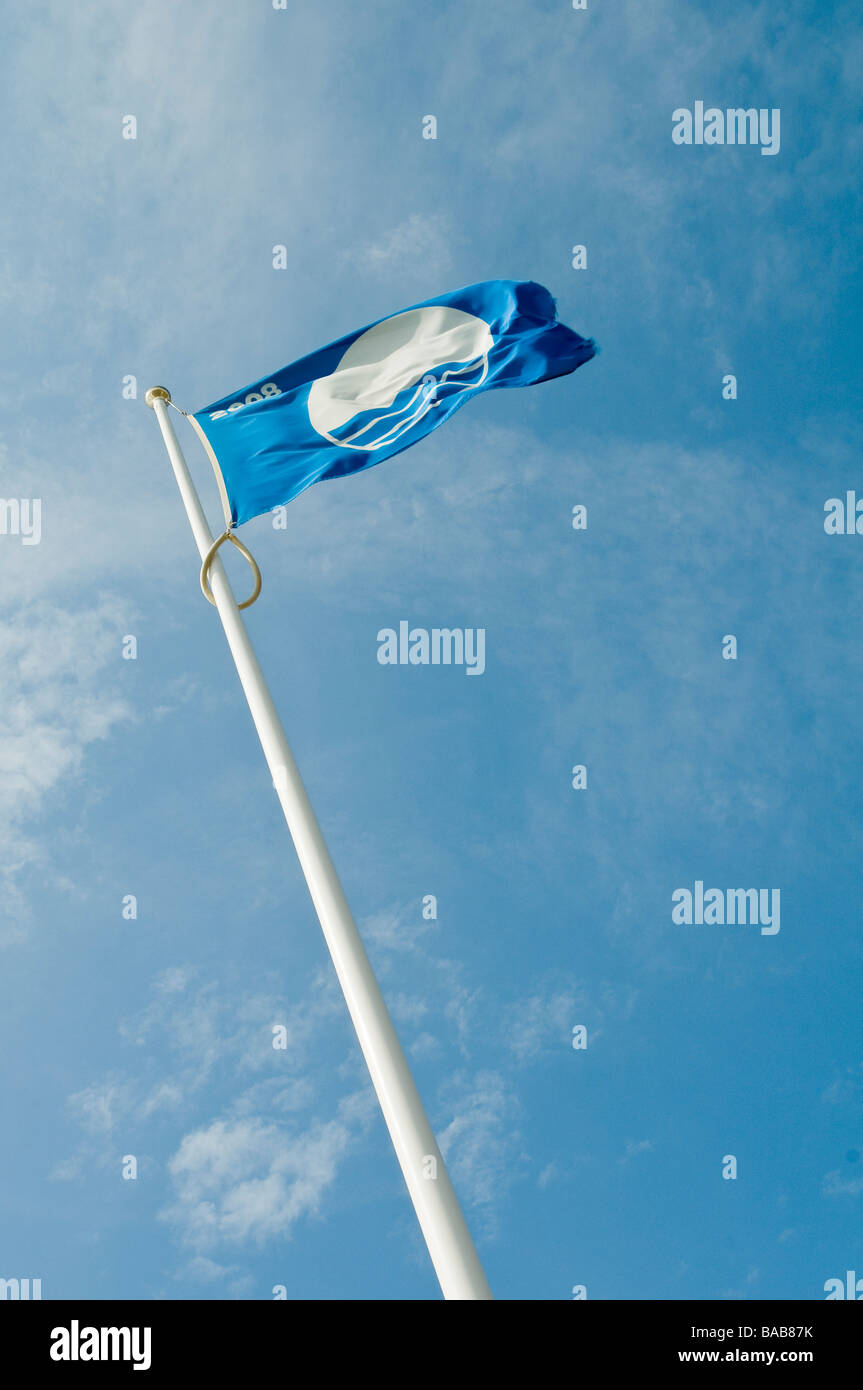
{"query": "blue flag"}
(379, 390)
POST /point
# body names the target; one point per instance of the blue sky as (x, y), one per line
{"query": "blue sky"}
(152, 1037)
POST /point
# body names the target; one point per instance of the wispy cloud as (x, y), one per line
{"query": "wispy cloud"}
(482, 1144)
(634, 1148)
(421, 245)
(835, 1185)
(543, 1022)
(58, 669)
(249, 1179)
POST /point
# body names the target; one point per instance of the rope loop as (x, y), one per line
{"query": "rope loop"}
(210, 557)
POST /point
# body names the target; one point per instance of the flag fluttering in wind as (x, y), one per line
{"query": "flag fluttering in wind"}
(344, 408)
(377, 391)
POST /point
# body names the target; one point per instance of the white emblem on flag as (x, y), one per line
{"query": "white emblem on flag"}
(393, 374)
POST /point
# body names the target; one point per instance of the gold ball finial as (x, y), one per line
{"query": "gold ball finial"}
(157, 393)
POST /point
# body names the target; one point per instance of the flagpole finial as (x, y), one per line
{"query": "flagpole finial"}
(157, 393)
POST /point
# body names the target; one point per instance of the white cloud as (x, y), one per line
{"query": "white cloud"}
(400, 941)
(251, 1179)
(57, 669)
(259, 1166)
(634, 1148)
(397, 929)
(408, 1008)
(420, 245)
(211, 1028)
(543, 1022)
(98, 1106)
(426, 1045)
(482, 1143)
(834, 1185)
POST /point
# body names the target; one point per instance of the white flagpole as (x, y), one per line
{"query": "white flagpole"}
(443, 1225)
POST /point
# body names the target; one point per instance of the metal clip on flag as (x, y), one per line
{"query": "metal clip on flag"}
(341, 410)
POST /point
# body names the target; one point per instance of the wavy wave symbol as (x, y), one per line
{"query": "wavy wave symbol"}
(392, 375)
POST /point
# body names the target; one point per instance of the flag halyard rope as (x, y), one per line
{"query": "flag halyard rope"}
(210, 557)
(228, 534)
